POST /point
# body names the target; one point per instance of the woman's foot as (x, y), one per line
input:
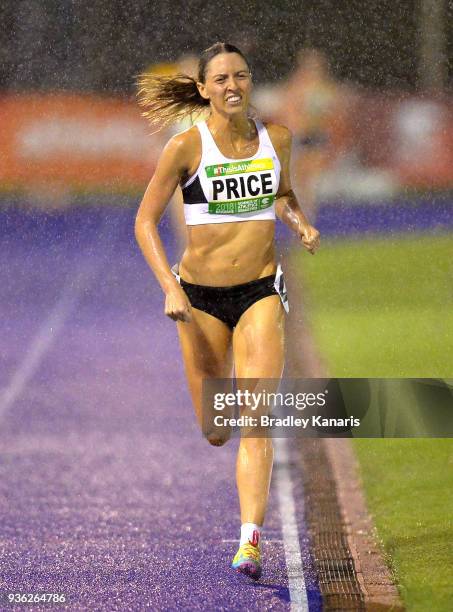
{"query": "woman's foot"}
(247, 560)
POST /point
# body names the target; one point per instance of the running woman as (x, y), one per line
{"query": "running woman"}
(227, 295)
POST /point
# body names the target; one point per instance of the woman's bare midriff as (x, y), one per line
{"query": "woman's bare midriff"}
(223, 254)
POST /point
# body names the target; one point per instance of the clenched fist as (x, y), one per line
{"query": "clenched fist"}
(177, 305)
(310, 238)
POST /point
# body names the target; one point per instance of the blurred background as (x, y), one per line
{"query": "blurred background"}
(365, 87)
(367, 90)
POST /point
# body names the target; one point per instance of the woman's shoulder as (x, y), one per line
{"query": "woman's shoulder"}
(185, 145)
(187, 138)
(183, 151)
(279, 134)
(278, 131)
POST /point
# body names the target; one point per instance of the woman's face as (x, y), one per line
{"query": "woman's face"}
(228, 84)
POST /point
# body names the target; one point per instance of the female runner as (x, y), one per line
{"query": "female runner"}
(227, 295)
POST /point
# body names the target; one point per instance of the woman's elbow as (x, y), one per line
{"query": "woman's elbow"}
(143, 225)
(140, 226)
(138, 223)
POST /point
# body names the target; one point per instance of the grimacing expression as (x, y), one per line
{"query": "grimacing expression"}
(228, 83)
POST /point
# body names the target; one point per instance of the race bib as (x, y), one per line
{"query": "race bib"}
(240, 187)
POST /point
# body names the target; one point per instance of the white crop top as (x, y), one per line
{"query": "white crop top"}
(223, 190)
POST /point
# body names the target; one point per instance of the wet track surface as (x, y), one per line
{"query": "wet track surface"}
(108, 492)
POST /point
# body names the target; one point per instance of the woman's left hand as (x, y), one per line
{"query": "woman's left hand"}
(310, 238)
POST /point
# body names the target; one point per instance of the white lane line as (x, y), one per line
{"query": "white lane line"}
(76, 283)
(272, 541)
(293, 556)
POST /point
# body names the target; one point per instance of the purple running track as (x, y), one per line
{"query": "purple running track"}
(109, 494)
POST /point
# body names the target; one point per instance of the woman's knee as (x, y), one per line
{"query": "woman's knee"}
(261, 444)
(216, 435)
(216, 439)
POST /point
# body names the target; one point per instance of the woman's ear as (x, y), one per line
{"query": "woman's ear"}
(202, 90)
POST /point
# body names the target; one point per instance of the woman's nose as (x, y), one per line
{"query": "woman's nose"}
(231, 83)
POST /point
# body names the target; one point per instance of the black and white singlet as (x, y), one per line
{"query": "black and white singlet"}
(223, 189)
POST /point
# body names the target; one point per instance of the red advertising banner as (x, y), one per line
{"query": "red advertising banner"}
(412, 136)
(89, 143)
(81, 142)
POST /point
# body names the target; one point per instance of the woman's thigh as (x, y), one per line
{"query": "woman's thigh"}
(259, 355)
(206, 350)
(259, 340)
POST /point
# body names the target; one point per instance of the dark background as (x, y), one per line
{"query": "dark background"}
(91, 45)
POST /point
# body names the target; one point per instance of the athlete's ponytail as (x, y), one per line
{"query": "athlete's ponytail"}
(168, 99)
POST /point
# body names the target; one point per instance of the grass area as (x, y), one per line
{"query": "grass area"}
(409, 489)
(382, 307)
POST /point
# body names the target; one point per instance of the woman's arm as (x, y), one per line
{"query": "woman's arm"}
(172, 164)
(286, 206)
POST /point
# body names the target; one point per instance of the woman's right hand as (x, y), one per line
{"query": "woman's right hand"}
(177, 305)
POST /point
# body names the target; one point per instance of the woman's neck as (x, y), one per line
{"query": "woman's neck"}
(236, 125)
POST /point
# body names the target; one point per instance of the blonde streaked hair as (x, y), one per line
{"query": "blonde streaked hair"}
(169, 99)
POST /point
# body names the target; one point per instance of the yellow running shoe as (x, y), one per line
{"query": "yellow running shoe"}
(247, 560)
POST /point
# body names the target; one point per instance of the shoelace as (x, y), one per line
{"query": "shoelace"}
(251, 551)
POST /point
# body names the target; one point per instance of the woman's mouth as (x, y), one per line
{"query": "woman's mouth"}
(233, 99)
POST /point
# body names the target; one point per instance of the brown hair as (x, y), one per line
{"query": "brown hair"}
(168, 99)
